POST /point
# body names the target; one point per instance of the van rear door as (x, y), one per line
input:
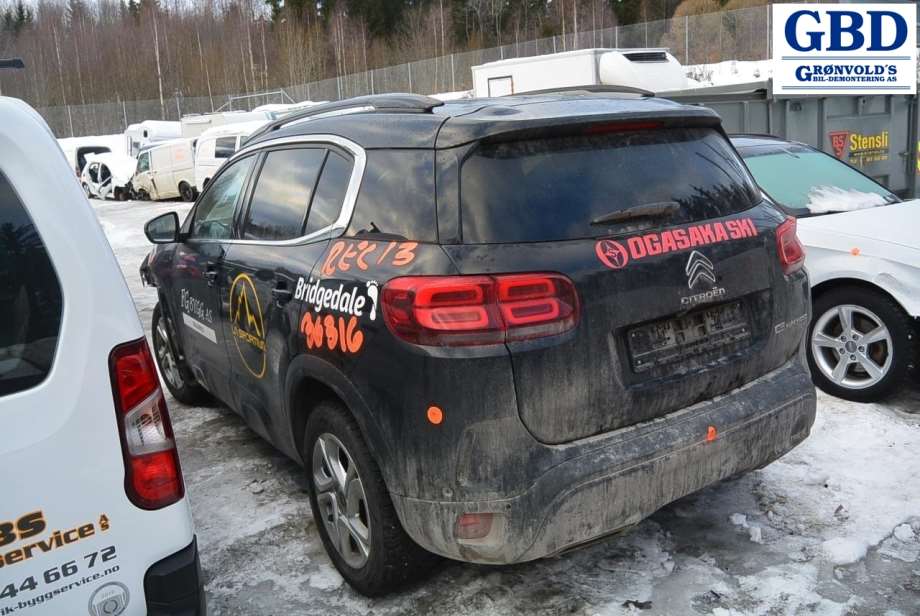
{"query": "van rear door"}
(71, 540)
(671, 250)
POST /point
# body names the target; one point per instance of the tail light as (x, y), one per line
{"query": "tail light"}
(790, 249)
(153, 479)
(479, 310)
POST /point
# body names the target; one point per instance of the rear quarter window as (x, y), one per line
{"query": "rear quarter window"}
(30, 298)
(551, 189)
(397, 196)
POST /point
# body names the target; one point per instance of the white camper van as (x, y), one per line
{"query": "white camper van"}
(166, 171)
(144, 134)
(649, 69)
(197, 124)
(216, 145)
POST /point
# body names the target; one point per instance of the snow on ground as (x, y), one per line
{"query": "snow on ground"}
(727, 72)
(831, 529)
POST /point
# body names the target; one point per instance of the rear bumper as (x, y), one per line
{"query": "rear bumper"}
(174, 585)
(606, 483)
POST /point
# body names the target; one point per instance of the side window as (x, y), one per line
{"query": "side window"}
(330, 193)
(225, 147)
(397, 196)
(282, 194)
(30, 298)
(214, 212)
(143, 162)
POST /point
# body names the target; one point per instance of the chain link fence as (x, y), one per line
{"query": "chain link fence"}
(743, 34)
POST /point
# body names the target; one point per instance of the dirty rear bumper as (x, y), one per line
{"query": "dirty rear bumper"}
(606, 483)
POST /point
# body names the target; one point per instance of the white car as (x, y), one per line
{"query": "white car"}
(93, 517)
(216, 145)
(108, 176)
(863, 259)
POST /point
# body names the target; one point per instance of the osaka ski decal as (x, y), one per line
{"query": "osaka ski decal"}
(617, 254)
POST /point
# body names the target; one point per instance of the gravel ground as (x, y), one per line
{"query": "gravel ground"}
(832, 528)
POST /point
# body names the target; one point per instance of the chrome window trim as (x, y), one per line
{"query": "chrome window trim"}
(340, 224)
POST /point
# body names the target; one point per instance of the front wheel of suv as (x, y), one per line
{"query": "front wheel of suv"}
(179, 380)
(352, 508)
(861, 344)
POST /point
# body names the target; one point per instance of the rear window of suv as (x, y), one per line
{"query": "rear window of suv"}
(30, 298)
(551, 189)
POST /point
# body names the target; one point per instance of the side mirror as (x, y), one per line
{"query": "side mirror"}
(164, 229)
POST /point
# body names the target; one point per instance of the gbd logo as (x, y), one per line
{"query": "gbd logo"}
(845, 30)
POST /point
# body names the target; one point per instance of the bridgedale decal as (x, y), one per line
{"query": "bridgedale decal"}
(363, 254)
(859, 149)
(617, 254)
(246, 324)
(321, 296)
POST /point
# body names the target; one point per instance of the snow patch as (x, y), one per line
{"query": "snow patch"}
(844, 551)
(835, 199)
(327, 578)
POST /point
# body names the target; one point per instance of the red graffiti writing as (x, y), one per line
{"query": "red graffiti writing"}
(340, 333)
(345, 254)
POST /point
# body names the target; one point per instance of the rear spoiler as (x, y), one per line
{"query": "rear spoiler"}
(15, 63)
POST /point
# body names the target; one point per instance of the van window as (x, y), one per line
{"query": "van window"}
(214, 211)
(282, 194)
(143, 162)
(552, 188)
(30, 298)
(330, 193)
(225, 147)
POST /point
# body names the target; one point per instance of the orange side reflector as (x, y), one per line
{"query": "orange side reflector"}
(711, 434)
(855, 252)
(435, 415)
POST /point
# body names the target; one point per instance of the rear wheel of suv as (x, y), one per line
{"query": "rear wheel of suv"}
(179, 380)
(186, 192)
(860, 345)
(352, 508)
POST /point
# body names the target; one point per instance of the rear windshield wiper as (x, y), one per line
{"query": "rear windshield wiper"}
(662, 209)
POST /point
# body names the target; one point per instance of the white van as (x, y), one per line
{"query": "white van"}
(149, 132)
(93, 517)
(195, 125)
(216, 145)
(108, 176)
(166, 171)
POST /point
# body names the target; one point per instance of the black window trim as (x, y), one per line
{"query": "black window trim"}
(340, 224)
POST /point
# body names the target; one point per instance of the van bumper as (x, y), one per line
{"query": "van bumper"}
(606, 483)
(174, 585)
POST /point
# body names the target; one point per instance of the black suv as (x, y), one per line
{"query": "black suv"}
(491, 329)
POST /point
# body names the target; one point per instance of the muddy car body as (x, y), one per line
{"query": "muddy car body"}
(528, 371)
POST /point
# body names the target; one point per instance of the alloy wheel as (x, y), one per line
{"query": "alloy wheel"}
(168, 364)
(341, 499)
(852, 346)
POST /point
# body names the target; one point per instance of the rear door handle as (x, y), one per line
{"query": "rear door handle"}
(210, 274)
(281, 294)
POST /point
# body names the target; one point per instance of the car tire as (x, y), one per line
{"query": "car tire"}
(878, 364)
(186, 192)
(178, 378)
(391, 558)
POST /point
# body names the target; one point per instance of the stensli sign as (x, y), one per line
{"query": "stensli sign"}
(845, 48)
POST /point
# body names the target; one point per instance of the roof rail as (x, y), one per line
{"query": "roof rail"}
(12, 63)
(407, 103)
(598, 89)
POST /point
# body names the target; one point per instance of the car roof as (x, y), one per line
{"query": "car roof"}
(747, 140)
(413, 121)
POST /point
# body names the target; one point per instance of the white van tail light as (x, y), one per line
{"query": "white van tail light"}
(153, 479)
